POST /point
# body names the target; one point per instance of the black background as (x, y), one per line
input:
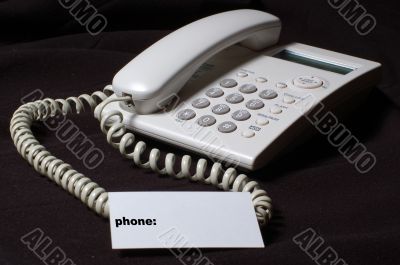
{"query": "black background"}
(43, 47)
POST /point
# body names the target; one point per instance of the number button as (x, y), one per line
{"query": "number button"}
(234, 98)
(200, 103)
(206, 120)
(254, 104)
(227, 127)
(248, 88)
(220, 109)
(214, 92)
(241, 115)
(228, 83)
(268, 94)
(186, 114)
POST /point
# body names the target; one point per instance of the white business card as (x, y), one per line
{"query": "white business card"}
(183, 220)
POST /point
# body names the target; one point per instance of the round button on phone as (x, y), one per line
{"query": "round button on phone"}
(254, 104)
(288, 99)
(248, 88)
(262, 121)
(228, 83)
(220, 109)
(214, 92)
(241, 115)
(200, 103)
(248, 133)
(186, 114)
(261, 79)
(275, 110)
(281, 85)
(242, 74)
(307, 82)
(206, 120)
(227, 127)
(268, 94)
(234, 98)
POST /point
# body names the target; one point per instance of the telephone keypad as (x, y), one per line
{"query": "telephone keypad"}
(228, 83)
(214, 92)
(220, 109)
(206, 120)
(243, 92)
(186, 114)
(227, 127)
(241, 115)
(201, 103)
(254, 104)
(234, 98)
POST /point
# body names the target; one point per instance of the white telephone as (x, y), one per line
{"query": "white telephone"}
(234, 104)
(248, 106)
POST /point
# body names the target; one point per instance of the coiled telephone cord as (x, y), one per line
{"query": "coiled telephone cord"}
(88, 191)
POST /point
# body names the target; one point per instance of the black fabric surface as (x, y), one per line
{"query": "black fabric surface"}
(313, 186)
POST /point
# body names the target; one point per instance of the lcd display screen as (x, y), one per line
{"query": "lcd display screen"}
(301, 59)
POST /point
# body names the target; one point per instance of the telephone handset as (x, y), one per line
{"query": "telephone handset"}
(164, 67)
(240, 106)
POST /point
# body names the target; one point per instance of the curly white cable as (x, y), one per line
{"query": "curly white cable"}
(111, 124)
